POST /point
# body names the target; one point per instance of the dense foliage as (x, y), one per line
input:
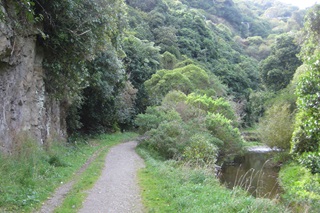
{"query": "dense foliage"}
(76, 32)
(279, 67)
(141, 61)
(306, 137)
(88, 52)
(188, 73)
(184, 124)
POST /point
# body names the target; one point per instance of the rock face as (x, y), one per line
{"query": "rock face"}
(26, 111)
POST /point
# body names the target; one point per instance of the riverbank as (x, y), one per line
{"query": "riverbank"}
(168, 186)
(302, 188)
(255, 172)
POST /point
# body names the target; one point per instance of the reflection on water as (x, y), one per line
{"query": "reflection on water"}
(254, 173)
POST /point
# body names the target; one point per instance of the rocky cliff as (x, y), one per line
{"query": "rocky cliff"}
(26, 110)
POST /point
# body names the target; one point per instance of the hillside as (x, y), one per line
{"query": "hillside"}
(227, 39)
(190, 75)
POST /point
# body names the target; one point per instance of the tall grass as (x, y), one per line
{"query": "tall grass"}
(21, 174)
(170, 187)
(254, 182)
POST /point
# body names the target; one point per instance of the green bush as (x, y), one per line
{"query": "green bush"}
(190, 113)
(310, 160)
(153, 117)
(174, 97)
(256, 106)
(302, 189)
(185, 79)
(174, 127)
(221, 128)
(276, 127)
(306, 136)
(200, 150)
(169, 139)
(208, 104)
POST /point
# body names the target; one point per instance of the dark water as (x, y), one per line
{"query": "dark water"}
(254, 173)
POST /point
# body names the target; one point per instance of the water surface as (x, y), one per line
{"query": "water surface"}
(253, 172)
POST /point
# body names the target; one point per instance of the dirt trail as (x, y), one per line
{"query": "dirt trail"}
(117, 190)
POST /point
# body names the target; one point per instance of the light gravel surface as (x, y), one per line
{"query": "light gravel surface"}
(117, 190)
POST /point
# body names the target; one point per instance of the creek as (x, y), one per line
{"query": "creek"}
(254, 172)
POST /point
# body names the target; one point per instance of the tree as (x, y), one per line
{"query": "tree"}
(186, 79)
(124, 104)
(219, 105)
(306, 137)
(166, 38)
(76, 31)
(141, 61)
(146, 5)
(98, 111)
(278, 69)
(168, 61)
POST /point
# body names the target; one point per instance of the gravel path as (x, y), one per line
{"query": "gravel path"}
(57, 198)
(117, 190)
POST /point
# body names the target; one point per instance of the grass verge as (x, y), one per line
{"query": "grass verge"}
(73, 201)
(170, 187)
(30, 176)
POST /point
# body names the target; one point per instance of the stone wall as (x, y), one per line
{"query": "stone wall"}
(25, 108)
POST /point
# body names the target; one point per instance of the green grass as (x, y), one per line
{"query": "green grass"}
(248, 144)
(31, 175)
(170, 187)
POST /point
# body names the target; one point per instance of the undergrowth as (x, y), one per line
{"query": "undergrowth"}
(31, 173)
(168, 186)
(302, 188)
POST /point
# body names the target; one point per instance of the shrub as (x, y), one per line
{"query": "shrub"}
(310, 160)
(153, 117)
(200, 150)
(276, 127)
(186, 79)
(169, 139)
(256, 106)
(190, 113)
(220, 127)
(306, 136)
(173, 98)
(219, 105)
(302, 189)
